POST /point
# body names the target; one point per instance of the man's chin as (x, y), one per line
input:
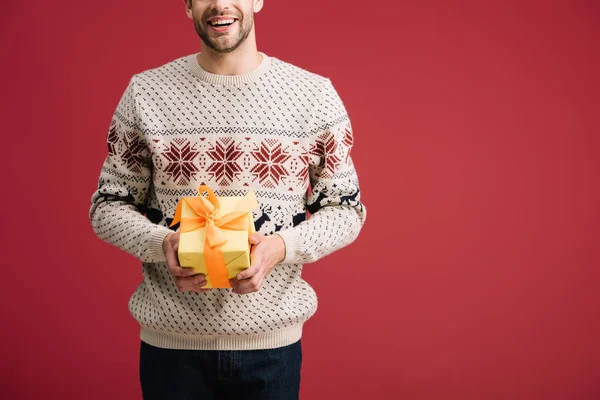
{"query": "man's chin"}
(222, 47)
(225, 51)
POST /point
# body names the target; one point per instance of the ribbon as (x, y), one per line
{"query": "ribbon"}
(206, 210)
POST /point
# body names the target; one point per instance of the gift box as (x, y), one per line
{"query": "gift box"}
(214, 235)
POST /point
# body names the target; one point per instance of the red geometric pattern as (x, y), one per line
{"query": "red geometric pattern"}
(112, 139)
(348, 138)
(227, 160)
(348, 141)
(180, 157)
(270, 159)
(224, 154)
(326, 148)
(134, 153)
(303, 170)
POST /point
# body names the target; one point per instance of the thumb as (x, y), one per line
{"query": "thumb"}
(256, 238)
(175, 241)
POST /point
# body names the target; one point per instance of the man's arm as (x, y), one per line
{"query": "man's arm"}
(117, 206)
(337, 212)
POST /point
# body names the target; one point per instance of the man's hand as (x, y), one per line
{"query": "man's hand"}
(266, 253)
(184, 278)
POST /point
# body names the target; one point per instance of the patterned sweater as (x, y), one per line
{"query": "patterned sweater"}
(278, 129)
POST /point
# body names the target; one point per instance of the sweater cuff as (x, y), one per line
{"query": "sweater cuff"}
(157, 237)
(292, 240)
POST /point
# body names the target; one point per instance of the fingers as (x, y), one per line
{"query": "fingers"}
(248, 272)
(171, 240)
(247, 286)
(249, 280)
(185, 278)
(256, 238)
(191, 283)
(173, 264)
(178, 271)
(255, 258)
(172, 260)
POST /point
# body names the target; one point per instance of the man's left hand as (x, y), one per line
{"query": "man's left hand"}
(266, 253)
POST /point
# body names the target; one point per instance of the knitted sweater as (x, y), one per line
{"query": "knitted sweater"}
(278, 129)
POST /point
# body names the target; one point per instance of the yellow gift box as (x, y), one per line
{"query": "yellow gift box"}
(214, 235)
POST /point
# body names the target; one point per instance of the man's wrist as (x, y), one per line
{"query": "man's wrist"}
(282, 247)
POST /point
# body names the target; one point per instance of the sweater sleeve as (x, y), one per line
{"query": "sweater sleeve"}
(337, 214)
(118, 205)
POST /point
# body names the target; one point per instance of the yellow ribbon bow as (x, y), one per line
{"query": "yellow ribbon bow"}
(207, 217)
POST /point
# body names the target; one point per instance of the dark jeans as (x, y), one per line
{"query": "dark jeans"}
(272, 374)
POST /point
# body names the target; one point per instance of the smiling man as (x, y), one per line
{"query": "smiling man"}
(234, 119)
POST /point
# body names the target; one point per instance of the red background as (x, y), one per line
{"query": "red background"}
(477, 144)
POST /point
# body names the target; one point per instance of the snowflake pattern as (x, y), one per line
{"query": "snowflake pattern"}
(181, 156)
(270, 159)
(224, 155)
(133, 156)
(326, 148)
(269, 162)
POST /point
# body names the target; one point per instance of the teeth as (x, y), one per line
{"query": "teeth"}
(223, 22)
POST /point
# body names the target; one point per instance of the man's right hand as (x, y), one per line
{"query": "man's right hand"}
(184, 278)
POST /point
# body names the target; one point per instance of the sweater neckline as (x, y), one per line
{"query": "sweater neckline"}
(228, 80)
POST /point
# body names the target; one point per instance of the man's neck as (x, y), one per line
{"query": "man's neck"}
(237, 62)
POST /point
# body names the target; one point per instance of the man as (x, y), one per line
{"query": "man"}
(232, 118)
